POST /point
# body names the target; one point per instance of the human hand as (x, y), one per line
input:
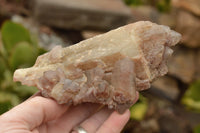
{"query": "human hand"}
(42, 115)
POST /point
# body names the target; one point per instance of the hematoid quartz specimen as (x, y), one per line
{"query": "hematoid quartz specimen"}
(106, 69)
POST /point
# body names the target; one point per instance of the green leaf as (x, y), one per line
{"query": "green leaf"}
(5, 106)
(24, 55)
(196, 129)
(7, 82)
(13, 33)
(191, 103)
(3, 52)
(2, 67)
(7, 101)
(139, 109)
(164, 5)
(191, 97)
(25, 91)
(41, 51)
(133, 2)
(194, 91)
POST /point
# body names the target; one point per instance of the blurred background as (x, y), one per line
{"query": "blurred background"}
(29, 28)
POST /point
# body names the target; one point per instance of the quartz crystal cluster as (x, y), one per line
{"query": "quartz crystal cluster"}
(106, 69)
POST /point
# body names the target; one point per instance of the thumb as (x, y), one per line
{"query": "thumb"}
(34, 112)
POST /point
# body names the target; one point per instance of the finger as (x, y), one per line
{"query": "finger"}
(115, 123)
(34, 112)
(95, 121)
(73, 116)
(34, 95)
(116, 120)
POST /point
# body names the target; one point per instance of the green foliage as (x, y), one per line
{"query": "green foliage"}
(7, 101)
(5, 106)
(133, 2)
(24, 91)
(139, 109)
(191, 97)
(26, 58)
(7, 82)
(9, 97)
(196, 129)
(163, 5)
(19, 49)
(13, 33)
(2, 67)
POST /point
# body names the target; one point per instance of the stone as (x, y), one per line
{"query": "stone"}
(168, 116)
(167, 19)
(169, 122)
(79, 14)
(167, 85)
(141, 13)
(189, 29)
(106, 69)
(171, 117)
(192, 6)
(147, 13)
(47, 38)
(89, 34)
(182, 64)
(149, 125)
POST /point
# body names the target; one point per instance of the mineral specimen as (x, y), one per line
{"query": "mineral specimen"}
(106, 69)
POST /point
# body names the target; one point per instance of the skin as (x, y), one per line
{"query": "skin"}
(42, 115)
